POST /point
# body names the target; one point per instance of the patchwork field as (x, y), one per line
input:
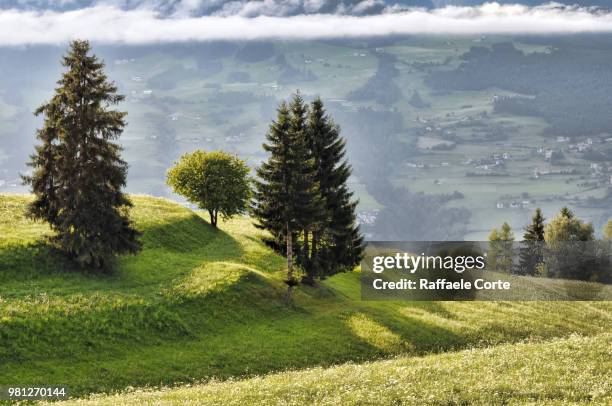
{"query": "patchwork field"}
(223, 96)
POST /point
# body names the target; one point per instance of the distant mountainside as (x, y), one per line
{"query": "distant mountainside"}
(253, 8)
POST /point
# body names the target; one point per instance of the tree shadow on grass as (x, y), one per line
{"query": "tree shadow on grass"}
(114, 325)
(182, 235)
(169, 250)
(417, 335)
(33, 260)
(192, 235)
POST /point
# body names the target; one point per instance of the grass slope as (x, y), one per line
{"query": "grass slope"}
(562, 371)
(201, 303)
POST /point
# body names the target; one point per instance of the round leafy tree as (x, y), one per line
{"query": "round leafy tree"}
(215, 181)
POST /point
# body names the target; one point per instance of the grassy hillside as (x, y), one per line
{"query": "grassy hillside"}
(562, 371)
(201, 303)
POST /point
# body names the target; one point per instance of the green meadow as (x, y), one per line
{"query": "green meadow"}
(204, 306)
(562, 371)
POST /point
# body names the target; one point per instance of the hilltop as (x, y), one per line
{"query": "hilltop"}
(200, 303)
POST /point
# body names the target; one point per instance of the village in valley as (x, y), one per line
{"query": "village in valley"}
(465, 146)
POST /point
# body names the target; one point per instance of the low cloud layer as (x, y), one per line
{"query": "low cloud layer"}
(244, 8)
(110, 24)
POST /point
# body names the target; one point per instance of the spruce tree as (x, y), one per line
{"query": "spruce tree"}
(535, 231)
(272, 186)
(567, 212)
(309, 210)
(337, 244)
(285, 193)
(77, 171)
(531, 254)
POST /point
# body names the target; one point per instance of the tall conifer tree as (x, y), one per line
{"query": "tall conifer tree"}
(285, 194)
(532, 254)
(309, 205)
(535, 231)
(302, 197)
(337, 244)
(78, 172)
(272, 188)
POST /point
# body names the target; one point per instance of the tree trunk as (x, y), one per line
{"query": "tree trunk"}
(290, 281)
(307, 257)
(307, 244)
(309, 278)
(213, 218)
(315, 242)
(298, 250)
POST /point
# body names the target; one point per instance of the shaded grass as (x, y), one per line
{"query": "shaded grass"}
(200, 303)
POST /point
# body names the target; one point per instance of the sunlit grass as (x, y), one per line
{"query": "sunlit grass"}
(199, 303)
(574, 370)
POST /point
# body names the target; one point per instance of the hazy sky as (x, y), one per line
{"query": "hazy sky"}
(109, 23)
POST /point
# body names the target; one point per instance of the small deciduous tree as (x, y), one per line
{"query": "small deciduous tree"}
(570, 251)
(215, 181)
(567, 227)
(500, 249)
(608, 231)
(605, 273)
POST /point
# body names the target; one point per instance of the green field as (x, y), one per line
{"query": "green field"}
(200, 304)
